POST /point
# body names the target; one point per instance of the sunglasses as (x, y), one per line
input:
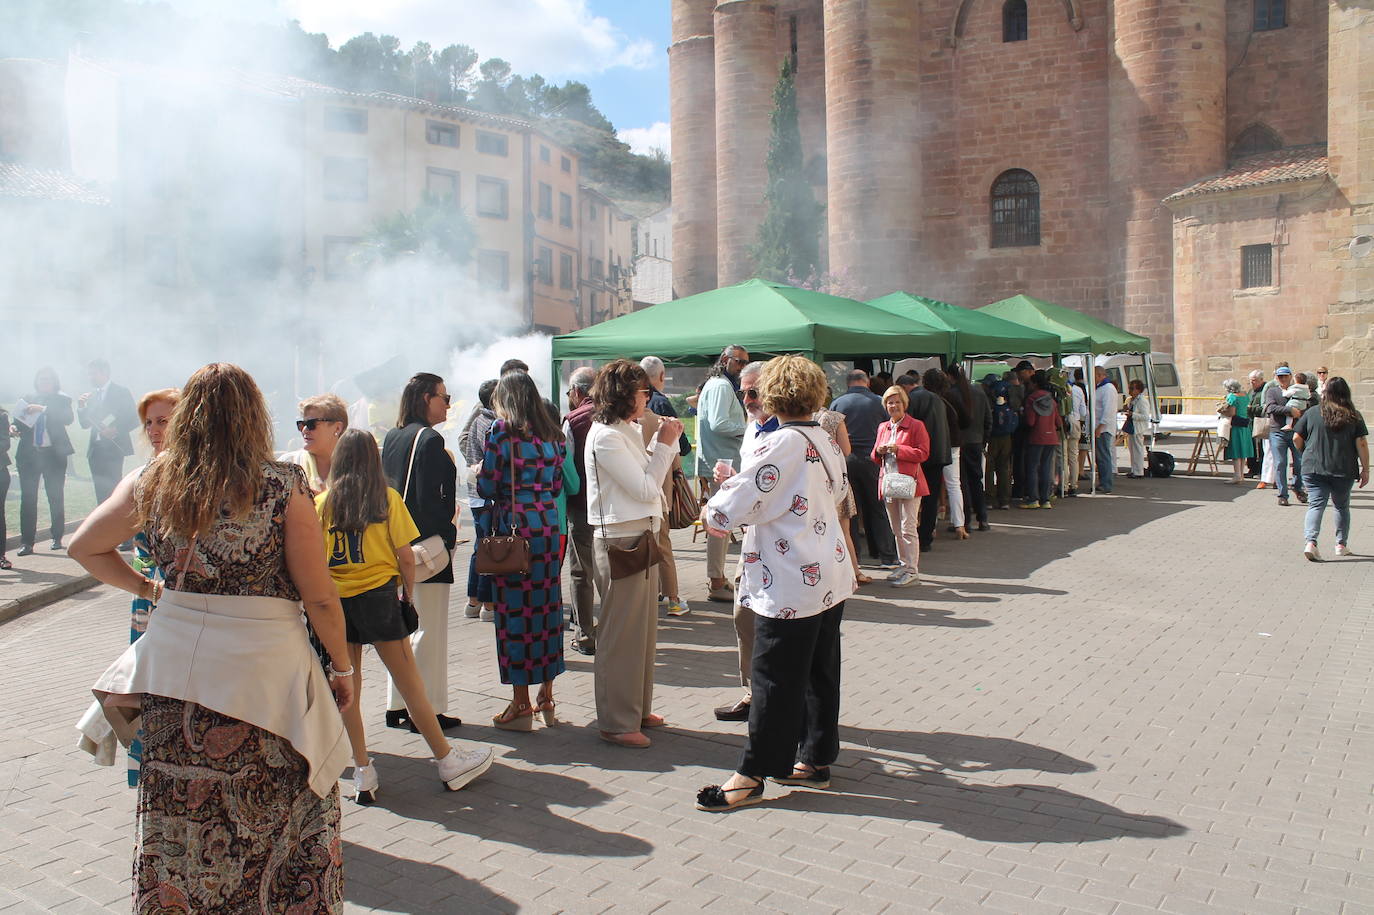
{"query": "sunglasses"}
(646, 392)
(303, 424)
(751, 393)
(448, 398)
(1321, 373)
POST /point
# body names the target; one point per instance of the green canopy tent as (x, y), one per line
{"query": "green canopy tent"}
(768, 318)
(972, 333)
(1079, 333)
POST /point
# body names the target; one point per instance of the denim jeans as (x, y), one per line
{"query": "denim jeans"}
(1039, 473)
(1105, 446)
(1281, 443)
(1320, 488)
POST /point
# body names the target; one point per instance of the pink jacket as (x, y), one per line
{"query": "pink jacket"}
(913, 448)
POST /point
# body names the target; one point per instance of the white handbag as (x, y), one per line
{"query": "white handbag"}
(431, 555)
(897, 486)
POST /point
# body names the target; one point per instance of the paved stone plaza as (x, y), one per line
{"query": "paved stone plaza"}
(1141, 702)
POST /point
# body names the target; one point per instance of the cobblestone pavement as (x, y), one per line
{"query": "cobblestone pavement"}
(1132, 703)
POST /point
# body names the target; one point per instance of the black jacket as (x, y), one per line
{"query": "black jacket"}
(116, 409)
(59, 418)
(932, 410)
(660, 404)
(432, 497)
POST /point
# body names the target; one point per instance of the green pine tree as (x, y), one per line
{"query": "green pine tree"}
(789, 238)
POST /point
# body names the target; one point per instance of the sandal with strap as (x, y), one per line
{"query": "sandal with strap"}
(715, 799)
(516, 717)
(5, 563)
(863, 579)
(545, 705)
(806, 776)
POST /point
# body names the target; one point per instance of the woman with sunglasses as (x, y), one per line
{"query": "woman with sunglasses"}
(323, 419)
(419, 467)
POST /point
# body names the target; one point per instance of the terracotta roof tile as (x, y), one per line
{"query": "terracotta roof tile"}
(1280, 166)
(28, 183)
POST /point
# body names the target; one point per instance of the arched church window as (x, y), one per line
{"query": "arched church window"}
(1256, 138)
(1015, 209)
(1016, 22)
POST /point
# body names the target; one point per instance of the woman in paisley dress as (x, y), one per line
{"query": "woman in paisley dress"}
(526, 445)
(154, 412)
(243, 745)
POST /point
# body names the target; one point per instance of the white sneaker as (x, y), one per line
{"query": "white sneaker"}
(461, 766)
(678, 608)
(1310, 551)
(471, 610)
(488, 615)
(896, 574)
(365, 784)
(1342, 550)
(906, 580)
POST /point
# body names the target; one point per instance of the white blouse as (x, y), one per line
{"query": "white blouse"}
(624, 479)
(796, 563)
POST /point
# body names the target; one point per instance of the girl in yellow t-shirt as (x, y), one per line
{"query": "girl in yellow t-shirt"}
(367, 535)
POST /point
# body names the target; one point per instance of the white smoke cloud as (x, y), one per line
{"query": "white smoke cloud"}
(556, 38)
(645, 140)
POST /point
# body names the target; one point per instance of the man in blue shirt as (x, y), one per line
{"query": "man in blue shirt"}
(863, 412)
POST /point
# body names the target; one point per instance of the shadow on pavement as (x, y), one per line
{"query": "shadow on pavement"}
(367, 871)
(954, 752)
(508, 804)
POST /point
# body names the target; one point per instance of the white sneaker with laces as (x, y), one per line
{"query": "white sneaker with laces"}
(1342, 550)
(1310, 551)
(488, 615)
(365, 784)
(906, 580)
(471, 610)
(896, 574)
(460, 767)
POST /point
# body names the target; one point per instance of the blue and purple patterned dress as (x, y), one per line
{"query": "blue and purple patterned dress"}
(529, 610)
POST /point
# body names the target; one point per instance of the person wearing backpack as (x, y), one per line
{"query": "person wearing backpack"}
(1004, 424)
(1043, 423)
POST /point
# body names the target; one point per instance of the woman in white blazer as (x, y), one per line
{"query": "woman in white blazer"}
(624, 501)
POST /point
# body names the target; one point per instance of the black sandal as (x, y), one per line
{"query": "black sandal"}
(806, 776)
(5, 564)
(713, 798)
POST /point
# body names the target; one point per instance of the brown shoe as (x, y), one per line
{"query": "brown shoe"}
(737, 712)
(633, 740)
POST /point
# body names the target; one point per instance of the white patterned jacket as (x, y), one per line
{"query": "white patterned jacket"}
(796, 563)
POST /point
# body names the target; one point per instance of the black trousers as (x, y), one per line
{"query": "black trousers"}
(971, 476)
(106, 472)
(794, 707)
(49, 467)
(863, 479)
(930, 504)
(1020, 441)
(4, 494)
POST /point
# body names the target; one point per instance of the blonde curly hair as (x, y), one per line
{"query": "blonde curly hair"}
(793, 386)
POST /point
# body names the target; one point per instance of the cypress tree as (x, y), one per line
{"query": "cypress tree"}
(789, 237)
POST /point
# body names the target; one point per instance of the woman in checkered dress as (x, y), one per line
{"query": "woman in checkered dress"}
(527, 444)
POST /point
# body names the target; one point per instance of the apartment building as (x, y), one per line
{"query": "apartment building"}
(608, 237)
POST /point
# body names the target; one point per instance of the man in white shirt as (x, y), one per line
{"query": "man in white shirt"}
(1106, 402)
(1078, 415)
(720, 432)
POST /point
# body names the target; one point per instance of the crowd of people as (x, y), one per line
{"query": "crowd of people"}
(231, 541)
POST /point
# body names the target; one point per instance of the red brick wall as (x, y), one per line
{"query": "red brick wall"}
(1277, 78)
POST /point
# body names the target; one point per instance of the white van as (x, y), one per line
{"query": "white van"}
(1123, 368)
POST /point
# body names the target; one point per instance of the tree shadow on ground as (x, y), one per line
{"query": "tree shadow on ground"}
(376, 880)
(508, 804)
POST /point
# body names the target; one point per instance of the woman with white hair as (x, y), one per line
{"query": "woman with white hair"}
(1241, 446)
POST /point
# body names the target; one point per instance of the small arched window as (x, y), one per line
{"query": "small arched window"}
(1015, 209)
(1255, 139)
(1015, 21)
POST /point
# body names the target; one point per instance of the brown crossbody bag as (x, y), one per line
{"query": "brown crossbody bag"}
(625, 561)
(505, 554)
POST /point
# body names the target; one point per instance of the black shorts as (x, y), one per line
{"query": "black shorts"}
(374, 616)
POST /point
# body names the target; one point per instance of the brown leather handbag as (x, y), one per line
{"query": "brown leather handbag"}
(625, 561)
(685, 507)
(507, 555)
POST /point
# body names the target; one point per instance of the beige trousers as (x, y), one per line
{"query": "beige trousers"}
(1068, 473)
(430, 644)
(904, 516)
(626, 637)
(667, 570)
(744, 630)
(716, 549)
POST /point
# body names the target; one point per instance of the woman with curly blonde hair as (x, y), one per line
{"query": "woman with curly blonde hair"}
(224, 681)
(796, 577)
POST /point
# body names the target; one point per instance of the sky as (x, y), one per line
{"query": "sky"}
(617, 47)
